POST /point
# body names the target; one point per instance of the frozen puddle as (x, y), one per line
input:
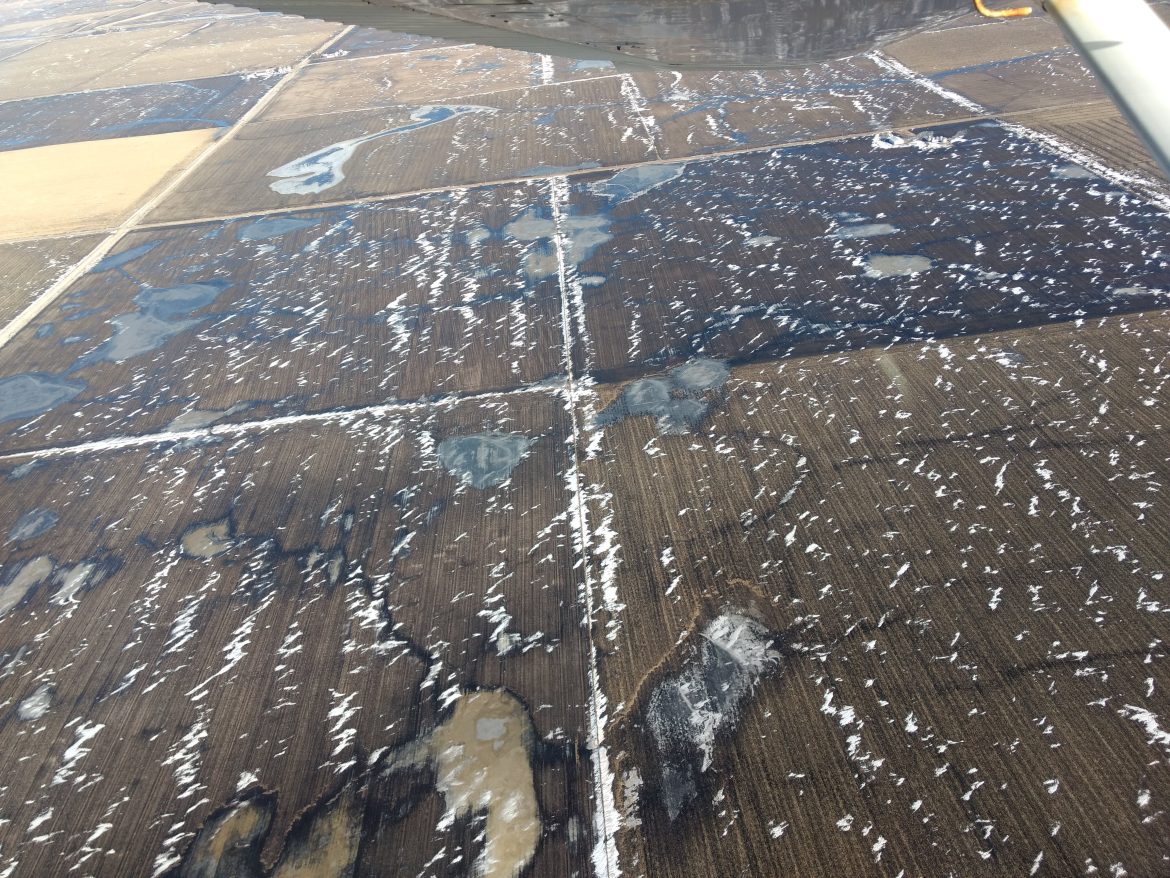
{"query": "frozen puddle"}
(29, 576)
(883, 265)
(864, 230)
(629, 183)
(676, 401)
(576, 236)
(1124, 293)
(273, 227)
(685, 713)
(324, 168)
(697, 376)
(32, 524)
(72, 581)
(199, 419)
(1073, 172)
(163, 312)
(1009, 359)
(484, 459)
(34, 393)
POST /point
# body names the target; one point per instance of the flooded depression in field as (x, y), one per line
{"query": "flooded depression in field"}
(23, 396)
(32, 524)
(483, 460)
(163, 312)
(677, 402)
(207, 540)
(325, 168)
(27, 576)
(686, 713)
(482, 763)
(884, 265)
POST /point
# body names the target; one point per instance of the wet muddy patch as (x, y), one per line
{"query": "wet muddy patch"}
(480, 759)
(207, 540)
(230, 841)
(678, 402)
(323, 843)
(483, 460)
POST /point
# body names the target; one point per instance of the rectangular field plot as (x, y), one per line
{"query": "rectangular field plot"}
(57, 18)
(406, 148)
(74, 63)
(887, 611)
(365, 42)
(27, 268)
(1025, 65)
(127, 112)
(173, 51)
(251, 318)
(947, 231)
(89, 185)
(439, 75)
(698, 113)
(461, 462)
(1101, 130)
(321, 644)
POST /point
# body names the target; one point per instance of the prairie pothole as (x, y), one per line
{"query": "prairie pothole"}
(688, 710)
(483, 460)
(31, 574)
(676, 402)
(207, 540)
(895, 265)
(482, 758)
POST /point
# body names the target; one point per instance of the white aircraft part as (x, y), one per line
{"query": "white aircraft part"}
(1128, 46)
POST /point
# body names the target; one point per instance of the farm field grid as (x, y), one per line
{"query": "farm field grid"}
(423, 459)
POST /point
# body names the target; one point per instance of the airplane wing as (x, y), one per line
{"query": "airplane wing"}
(1123, 41)
(642, 34)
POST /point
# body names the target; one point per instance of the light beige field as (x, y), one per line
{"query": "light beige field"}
(74, 187)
